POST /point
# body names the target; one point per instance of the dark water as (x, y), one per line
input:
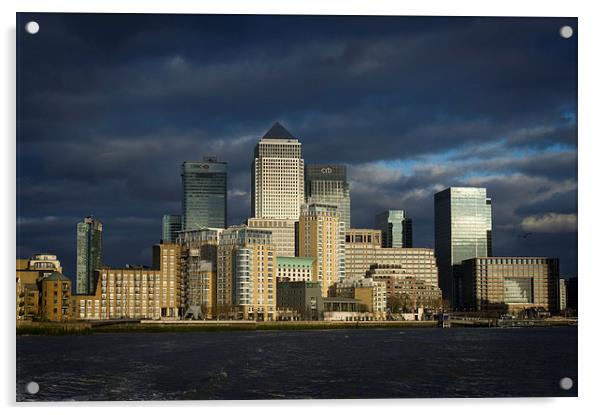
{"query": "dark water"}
(388, 363)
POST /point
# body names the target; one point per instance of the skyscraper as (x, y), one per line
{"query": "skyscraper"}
(462, 231)
(396, 229)
(277, 189)
(204, 201)
(172, 224)
(327, 184)
(322, 236)
(89, 254)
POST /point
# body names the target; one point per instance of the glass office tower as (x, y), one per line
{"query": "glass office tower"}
(89, 254)
(172, 224)
(462, 231)
(327, 184)
(396, 229)
(204, 194)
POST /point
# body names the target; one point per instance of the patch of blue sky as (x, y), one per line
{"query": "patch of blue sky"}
(485, 174)
(526, 151)
(408, 165)
(463, 155)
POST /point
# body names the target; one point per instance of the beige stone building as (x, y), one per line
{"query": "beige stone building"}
(371, 293)
(283, 233)
(29, 274)
(56, 297)
(246, 274)
(413, 293)
(363, 249)
(135, 292)
(510, 284)
(321, 235)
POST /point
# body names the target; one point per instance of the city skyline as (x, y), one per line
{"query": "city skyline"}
(521, 147)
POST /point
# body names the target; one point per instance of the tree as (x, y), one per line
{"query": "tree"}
(406, 303)
(394, 304)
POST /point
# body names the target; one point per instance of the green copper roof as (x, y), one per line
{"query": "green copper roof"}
(289, 261)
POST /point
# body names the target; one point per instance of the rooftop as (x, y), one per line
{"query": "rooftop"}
(56, 276)
(294, 261)
(278, 131)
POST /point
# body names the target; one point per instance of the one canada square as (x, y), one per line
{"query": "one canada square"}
(277, 191)
(278, 176)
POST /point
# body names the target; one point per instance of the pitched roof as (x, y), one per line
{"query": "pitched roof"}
(56, 276)
(278, 131)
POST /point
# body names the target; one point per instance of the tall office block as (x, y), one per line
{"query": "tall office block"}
(277, 189)
(327, 184)
(246, 274)
(204, 195)
(396, 229)
(462, 231)
(172, 224)
(321, 236)
(89, 254)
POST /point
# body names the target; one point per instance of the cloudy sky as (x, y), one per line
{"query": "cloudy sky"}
(110, 105)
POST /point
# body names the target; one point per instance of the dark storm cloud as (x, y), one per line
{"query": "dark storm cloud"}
(110, 105)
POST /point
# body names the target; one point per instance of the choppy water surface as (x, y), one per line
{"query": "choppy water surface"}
(387, 363)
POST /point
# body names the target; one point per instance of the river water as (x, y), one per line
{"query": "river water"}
(355, 363)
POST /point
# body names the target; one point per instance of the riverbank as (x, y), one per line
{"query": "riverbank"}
(149, 326)
(162, 326)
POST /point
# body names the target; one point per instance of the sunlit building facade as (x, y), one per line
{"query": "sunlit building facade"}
(277, 189)
(294, 269)
(413, 292)
(135, 292)
(462, 231)
(510, 284)
(29, 274)
(283, 233)
(363, 249)
(246, 274)
(321, 234)
(55, 301)
(371, 293)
